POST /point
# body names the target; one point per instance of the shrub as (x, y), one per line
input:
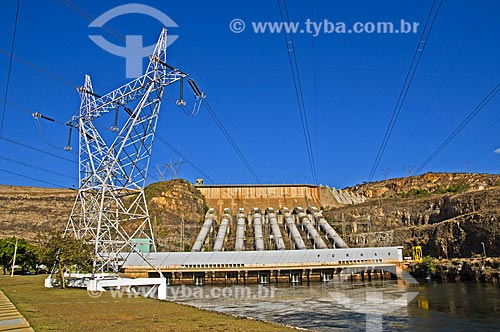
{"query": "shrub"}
(455, 188)
(417, 193)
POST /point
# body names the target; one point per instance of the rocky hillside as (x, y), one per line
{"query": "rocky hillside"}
(427, 184)
(30, 212)
(173, 205)
(449, 215)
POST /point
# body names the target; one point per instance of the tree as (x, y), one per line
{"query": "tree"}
(25, 256)
(67, 254)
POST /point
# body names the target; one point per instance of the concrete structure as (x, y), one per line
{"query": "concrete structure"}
(263, 266)
(249, 196)
(257, 230)
(147, 287)
(265, 257)
(205, 230)
(312, 233)
(293, 232)
(240, 231)
(221, 233)
(277, 238)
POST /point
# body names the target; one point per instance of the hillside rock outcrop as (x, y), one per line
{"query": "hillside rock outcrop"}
(429, 182)
(446, 225)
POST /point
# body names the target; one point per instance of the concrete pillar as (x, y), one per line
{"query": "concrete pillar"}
(295, 277)
(399, 275)
(162, 289)
(263, 278)
(199, 280)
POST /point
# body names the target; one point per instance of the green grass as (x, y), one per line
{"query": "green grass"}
(73, 310)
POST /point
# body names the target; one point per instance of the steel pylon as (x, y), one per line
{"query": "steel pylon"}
(110, 210)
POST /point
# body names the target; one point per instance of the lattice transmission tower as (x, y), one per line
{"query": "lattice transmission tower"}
(173, 167)
(110, 210)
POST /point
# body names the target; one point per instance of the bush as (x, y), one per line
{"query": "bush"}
(456, 188)
(427, 265)
(417, 193)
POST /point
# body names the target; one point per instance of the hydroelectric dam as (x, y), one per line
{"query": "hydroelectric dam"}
(262, 234)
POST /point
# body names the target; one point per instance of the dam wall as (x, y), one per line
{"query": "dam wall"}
(275, 195)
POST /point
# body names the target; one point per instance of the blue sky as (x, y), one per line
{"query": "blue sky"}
(248, 82)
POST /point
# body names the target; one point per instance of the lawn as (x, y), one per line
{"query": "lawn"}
(73, 310)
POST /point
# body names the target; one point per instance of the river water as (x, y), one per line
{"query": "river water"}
(356, 306)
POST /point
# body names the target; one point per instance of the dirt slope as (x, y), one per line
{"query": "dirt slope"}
(30, 212)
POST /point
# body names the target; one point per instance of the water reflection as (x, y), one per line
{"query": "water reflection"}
(345, 306)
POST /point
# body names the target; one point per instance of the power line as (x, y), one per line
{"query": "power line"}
(88, 16)
(443, 81)
(417, 55)
(81, 12)
(70, 5)
(56, 77)
(43, 136)
(38, 150)
(37, 168)
(292, 59)
(10, 68)
(26, 110)
(31, 178)
(37, 68)
(231, 141)
(36, 116)
(63, 80)
(493, 124)
(315, 91)
(174, 150)
(455, 132)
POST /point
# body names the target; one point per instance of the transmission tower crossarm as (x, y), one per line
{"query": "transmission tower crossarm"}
(158, 71)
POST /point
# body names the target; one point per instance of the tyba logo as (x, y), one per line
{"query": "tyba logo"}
(133, 51)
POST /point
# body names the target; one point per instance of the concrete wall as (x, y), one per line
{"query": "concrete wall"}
(264, 196)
